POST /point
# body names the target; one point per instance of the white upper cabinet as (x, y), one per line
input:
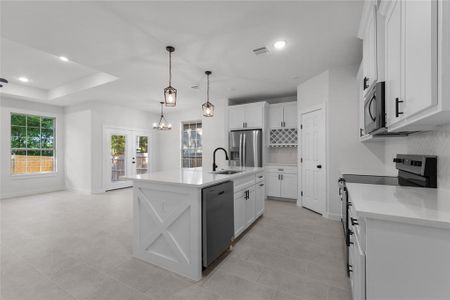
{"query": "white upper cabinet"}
(369, 36)
(246, 115)
(420, 55)
(416, 63)
(276, 115)
(393, 68)
(283, 115)
(290, 114)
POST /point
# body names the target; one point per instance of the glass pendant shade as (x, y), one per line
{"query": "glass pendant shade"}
(170, 96)
(170, 93)
(163, 124)
(207, 107)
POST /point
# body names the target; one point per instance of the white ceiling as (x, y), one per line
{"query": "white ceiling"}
(127, 39)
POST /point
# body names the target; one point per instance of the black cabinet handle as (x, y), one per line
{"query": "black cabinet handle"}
(354, 221)
(349, 268)
(397, 107)
(365, 85)
(262, 184)
(319, 166)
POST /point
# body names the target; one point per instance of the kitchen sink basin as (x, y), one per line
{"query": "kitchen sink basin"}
(227, 172)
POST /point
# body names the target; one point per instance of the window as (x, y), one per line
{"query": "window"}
(32, 144)
(191, 150)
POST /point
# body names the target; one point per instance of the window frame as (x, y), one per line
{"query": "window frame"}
(183, 123)
(55, 143)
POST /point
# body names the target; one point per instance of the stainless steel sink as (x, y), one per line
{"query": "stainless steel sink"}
(227, 172)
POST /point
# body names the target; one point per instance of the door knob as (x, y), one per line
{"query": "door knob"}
(319, 166)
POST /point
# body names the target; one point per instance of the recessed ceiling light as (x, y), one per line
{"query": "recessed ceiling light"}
(24, 79)
(63, 58)
(279, 44)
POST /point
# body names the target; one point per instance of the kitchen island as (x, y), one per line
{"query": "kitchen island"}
(167, 212)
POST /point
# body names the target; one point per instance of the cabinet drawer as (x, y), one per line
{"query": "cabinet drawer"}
(282, 169)
(243, 183)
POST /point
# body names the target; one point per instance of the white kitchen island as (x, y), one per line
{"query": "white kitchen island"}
(168, 219)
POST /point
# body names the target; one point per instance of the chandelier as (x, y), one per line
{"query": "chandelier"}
(163, 124)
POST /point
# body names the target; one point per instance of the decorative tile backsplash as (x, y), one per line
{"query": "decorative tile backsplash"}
(434, 143)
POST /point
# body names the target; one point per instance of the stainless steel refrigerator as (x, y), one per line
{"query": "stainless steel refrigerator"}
(245, 148)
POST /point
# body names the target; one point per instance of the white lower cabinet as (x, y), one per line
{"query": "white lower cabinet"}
(281, 181)
(250, 212)
(260, 198)
(288, 186)
(239, 214)
(249, 196)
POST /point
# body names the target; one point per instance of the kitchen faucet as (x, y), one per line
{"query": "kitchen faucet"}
(214, 157)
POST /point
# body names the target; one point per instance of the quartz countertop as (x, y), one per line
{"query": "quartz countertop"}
(421, 206)
(194, 177)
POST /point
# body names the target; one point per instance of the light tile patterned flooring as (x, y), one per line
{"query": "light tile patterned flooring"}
(65, 245)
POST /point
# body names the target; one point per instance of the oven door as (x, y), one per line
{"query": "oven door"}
(371, 118)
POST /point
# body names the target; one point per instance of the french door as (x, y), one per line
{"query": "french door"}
(126, 153)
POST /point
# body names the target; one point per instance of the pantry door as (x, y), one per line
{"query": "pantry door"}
(313, 177)
(126, 153)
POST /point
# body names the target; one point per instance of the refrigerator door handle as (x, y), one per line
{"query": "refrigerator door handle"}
(241, 146)
(255, 149)
(244, 150)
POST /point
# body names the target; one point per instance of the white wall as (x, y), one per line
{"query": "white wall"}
(282, 155)
(85, 160)
(337, 89)
(77, 136)
(214, 135)
(11, 186)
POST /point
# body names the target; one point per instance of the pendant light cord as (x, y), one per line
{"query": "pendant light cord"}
(170, 68)
(207, 88)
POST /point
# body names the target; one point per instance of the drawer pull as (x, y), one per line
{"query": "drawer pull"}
(280, 169)
(260, 176)
(354, 221)
(262, 184)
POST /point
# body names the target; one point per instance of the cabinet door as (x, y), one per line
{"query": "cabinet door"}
(290, 115)
(236, 116)
(275, 115)
(260, 198)
(393, 68)
(254, 115)
(358, 273)
(250, 207)
(239, 213)
(273, 184)
(289, 186)
(420, 31)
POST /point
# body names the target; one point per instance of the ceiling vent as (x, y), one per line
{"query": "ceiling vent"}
(262, 50)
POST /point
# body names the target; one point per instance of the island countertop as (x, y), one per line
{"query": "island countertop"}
(194, 177)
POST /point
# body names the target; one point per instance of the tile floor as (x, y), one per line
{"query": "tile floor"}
(65, 245)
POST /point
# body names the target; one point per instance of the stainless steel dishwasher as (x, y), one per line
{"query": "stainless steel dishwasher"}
(217, 220)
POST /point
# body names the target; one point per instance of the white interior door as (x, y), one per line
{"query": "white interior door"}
(126, 153)
(313, 166)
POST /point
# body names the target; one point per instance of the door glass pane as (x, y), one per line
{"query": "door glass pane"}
(141, 154)
(118, 144)
(191, 139)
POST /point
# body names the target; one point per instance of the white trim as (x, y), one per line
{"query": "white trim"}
(33, 192)
(33, 175)
(368, 6)
(56, 141)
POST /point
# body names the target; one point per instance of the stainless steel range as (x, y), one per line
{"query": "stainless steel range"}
(413, 170)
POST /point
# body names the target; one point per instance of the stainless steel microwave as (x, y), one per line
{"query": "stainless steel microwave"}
(374, 108)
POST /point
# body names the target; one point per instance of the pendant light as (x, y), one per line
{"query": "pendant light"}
(207, 107)
(170, 93)
(163, 124)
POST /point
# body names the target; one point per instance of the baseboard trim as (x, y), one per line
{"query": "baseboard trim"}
(32, 192)
(330, 216)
